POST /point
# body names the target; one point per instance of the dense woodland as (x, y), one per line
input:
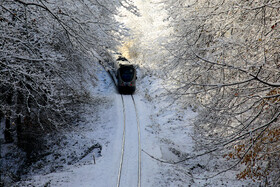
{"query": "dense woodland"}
(48, 54)
(222, 55)
(225, 56)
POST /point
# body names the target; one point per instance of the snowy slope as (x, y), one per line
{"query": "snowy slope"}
(166, 131)
(99, 126)
(170, 131)
(165, 134)
(107, 131)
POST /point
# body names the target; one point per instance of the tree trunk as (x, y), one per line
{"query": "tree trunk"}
(7, 133)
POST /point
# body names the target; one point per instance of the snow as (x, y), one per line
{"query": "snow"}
(165, 127)
(165, 134)
(107, 131)
(130, 160)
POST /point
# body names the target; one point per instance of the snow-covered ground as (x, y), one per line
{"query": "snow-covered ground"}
(165, 126)
(106, 128)
(165, 134)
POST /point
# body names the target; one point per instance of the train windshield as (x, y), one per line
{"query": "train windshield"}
(127, 74)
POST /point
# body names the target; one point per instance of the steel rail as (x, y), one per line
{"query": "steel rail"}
(139, 142)
(123, 145)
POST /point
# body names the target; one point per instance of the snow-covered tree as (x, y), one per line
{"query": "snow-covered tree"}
(48, 54)
(225, 54)
(49, 51)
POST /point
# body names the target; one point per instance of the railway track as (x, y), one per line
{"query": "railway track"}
(129, 173)
(130, 163)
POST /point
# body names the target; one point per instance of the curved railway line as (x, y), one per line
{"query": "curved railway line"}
(128, 157)
(128, 151)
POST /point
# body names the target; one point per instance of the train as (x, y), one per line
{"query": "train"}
(126, 76)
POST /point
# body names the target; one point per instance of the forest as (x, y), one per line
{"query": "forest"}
(221, 56)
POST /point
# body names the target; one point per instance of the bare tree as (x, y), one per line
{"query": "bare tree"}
(48, 56)
(225, 55)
